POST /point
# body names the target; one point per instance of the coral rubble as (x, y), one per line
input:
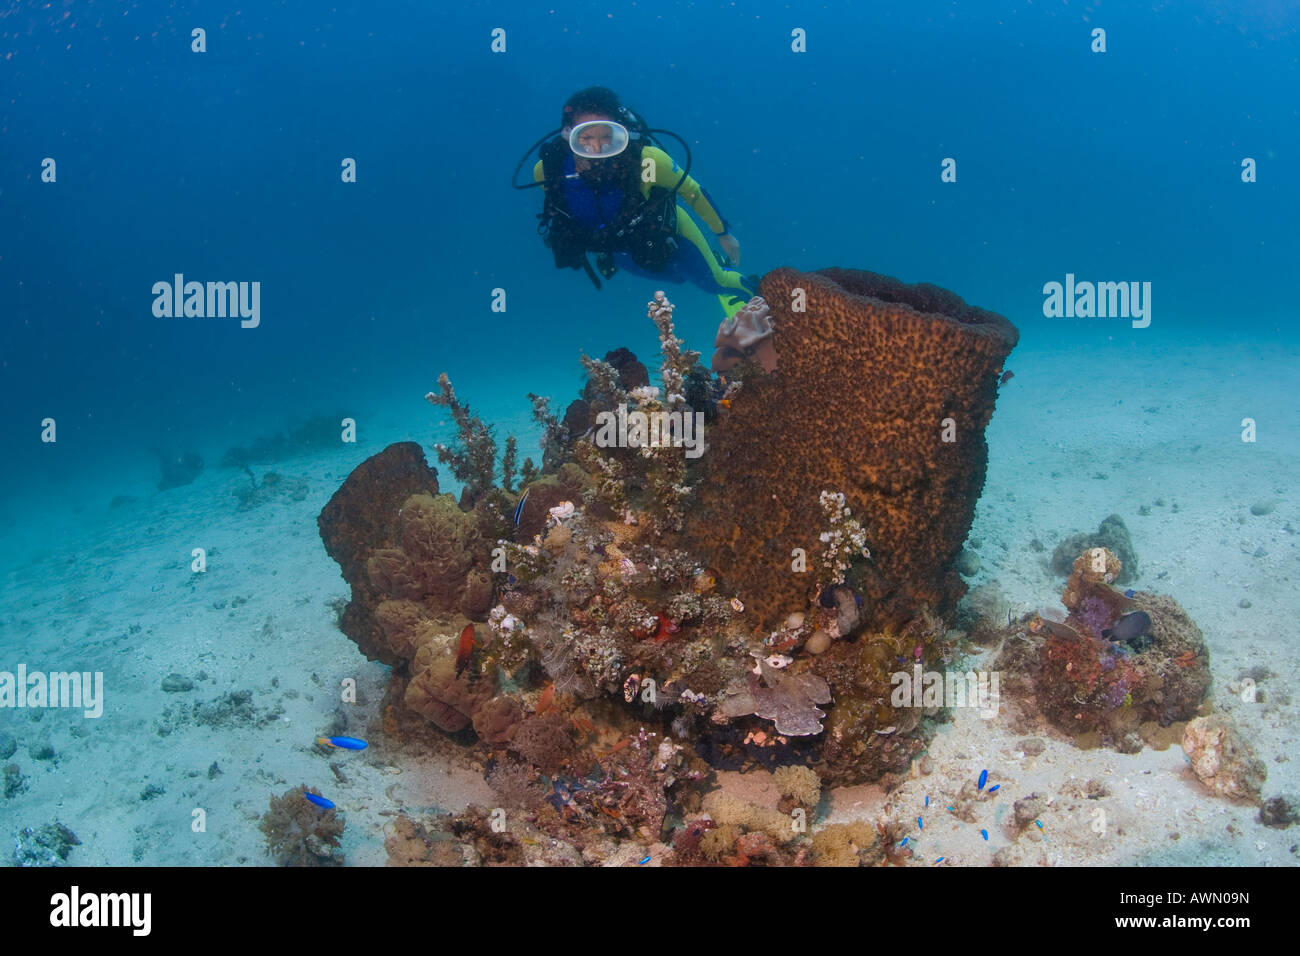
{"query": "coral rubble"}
(1223, 759)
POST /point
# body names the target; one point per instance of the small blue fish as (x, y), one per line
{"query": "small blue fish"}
(996, 786)
(1039, 824)
(952, 808)
(984, 834)
(519, 508)
(320, 801)
(1129, 593)
(984, 778)
(904, 843)
(927, 800)
(920, 823)
(941, 859)
(347, 743)
(643, 862)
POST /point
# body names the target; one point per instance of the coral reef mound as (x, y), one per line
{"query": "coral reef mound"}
(361, 518)
(883, 392)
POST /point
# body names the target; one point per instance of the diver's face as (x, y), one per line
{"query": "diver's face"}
(593, 139)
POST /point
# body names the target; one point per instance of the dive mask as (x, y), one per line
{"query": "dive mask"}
(598, 139)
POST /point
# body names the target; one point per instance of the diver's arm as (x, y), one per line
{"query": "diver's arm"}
(669, 174)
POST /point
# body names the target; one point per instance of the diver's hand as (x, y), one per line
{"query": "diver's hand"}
(730, 246)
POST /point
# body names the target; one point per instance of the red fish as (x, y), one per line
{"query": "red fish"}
(547, 702)
(465, 648)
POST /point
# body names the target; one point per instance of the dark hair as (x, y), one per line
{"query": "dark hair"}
(594, 99)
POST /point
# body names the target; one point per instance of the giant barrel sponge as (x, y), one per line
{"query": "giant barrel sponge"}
(873, 375)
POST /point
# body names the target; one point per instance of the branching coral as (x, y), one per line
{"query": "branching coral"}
(473, 459)
(508, 463)
(666, 475)
(553, 432)
(604, 383)
(677, 364)
(299, 833)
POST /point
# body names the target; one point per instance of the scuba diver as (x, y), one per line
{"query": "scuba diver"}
(610, 189)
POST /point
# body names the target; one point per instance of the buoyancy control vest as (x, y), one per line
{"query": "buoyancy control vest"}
(602, 211)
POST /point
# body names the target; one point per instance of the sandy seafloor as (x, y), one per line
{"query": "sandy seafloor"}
(1078, 434)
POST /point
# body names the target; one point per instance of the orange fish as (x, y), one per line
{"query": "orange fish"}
(547, 702)
(724, 402)
(465, 648)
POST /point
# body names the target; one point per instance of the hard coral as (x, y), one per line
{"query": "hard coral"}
(448, 700)
(544, 741)
(496, 720)
(883, 392)
(362, 518)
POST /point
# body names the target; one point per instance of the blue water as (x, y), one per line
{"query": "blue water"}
(225, 166)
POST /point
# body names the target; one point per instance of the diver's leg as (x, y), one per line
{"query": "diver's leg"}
(696, 261)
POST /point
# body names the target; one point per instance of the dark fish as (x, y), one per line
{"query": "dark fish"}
(1129, 593)
(1007, 376)
(1129, 627)
(519, 508)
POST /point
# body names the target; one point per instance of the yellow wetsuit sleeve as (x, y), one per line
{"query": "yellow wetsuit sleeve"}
(727, 278)
(668, 174)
